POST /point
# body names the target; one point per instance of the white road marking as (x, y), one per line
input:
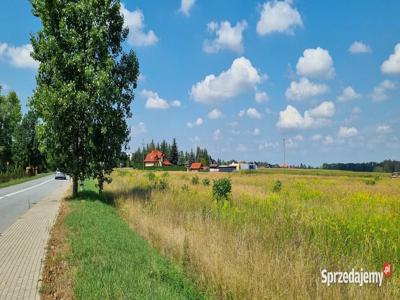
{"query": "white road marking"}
(26, 189)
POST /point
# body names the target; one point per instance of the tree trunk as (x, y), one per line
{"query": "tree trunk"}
(75, 187)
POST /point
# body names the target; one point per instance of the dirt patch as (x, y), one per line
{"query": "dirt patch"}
(57, 273)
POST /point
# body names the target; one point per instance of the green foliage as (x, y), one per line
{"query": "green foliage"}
(151, 176)
(195, 180)
(85, 85)
(277, 186)
(206, 181)
(11, 174)
(165, 175)
(222, 188)
(162, 184)
(10, 117)
(185, 188)
(370, 182)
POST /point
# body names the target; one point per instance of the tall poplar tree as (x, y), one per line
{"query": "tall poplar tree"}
(85, 85)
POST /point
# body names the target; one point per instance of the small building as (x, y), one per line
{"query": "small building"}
(156, 158)
(396, 175)
(214, 168)
(252, 166)
(196, 167)
(227, 169)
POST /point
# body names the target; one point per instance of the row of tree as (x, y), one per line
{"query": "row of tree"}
(19, 145)
(387, 166)
(176, 157)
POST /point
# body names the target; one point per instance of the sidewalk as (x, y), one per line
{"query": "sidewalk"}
(23, 248)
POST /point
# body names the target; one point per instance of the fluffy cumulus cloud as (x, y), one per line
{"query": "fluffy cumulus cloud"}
(348, 94)
(154, 101)
(138, 129)
(359, 47)
(134, 20)
(290, 118)
(278, 16)
(251, 113)
(186, 5)
(227, 37)
(19, 57)
(261, 96)
(328, 140)
(198, 122)
(383, 129)
(256, 131)
(241, 76)
(214, 114)
(347, 132)
(304, 89)
(380, 92)
(392, 64)
(315, 63)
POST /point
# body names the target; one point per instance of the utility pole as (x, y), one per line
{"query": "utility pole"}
(284, 153)
(143, 153)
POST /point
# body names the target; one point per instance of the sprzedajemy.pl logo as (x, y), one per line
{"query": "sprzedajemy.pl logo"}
(360, 277)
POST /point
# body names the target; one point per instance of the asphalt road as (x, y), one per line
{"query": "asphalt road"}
(17, 199)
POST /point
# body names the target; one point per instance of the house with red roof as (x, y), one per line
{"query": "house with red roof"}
(196, 167)
(156, 158)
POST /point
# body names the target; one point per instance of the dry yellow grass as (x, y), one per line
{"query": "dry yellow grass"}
(268, 245)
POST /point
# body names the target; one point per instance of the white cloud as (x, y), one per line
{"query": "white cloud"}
(134, 20)
(198, 122)
(316, 137)
(290, 118)
(325, 110)
(256, 131)
(175, 103)
(154, 101)
(304, 89)
(186, 5)
(328, 140)
(240, 77)
(348, 94)
(346, 132)
(217, 134)
(214, 114)
(261, 96)
(227, 37)
(268, 145)
(278, 16)
(356, 110)
(315, 63)
(392, 64)
(380, 91)
(359, 47)
(19, 57)
(383, 129)
(138, 129)
(251, 112)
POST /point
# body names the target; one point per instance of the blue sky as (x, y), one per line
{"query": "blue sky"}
(239, 76)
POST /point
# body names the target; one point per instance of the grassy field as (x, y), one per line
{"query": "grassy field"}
(22, 180)
(93, 254)
(266, 244)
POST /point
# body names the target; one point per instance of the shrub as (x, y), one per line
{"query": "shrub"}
(151, 176)
(277, 186)
(370, 182)
(195, 180)
(185, 188)
(222, 188)
(206, 181)
(165, 175)
(162, 184)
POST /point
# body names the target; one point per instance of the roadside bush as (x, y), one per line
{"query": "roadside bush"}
(222, 189)
(195, 180)
(206, 181)
(277, 186)
(11, 174)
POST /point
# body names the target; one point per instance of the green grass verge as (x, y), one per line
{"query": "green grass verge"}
(22, 180)
(112, 262)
